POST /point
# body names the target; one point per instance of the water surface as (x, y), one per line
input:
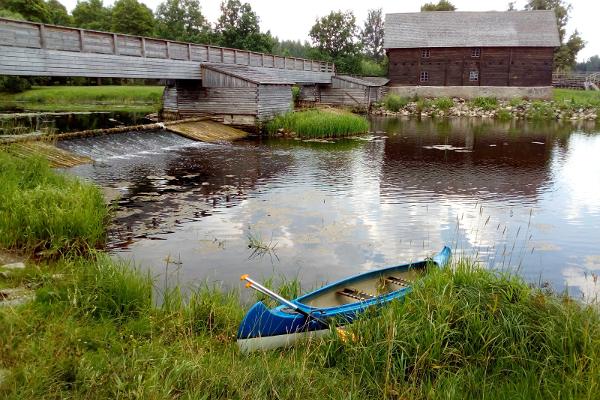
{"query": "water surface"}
(516, 196)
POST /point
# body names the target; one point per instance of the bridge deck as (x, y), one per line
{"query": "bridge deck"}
(33, 49)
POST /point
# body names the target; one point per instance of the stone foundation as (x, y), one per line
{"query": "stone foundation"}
(471, 92)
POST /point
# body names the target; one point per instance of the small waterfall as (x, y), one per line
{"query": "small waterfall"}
(128, 145)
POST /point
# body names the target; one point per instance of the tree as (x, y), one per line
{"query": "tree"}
(591, 65)
(91, 14)
(182, 20)
(335, 34)
(11, 14)
(131, 17)
(238, 27)
(292, 48)
(57, 13)
(31, 10)
(442, 5)
(566, 54)
(372, 35)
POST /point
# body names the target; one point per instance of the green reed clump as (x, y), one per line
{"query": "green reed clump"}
(443, 103)
(47, 212)
(472, 333)
(319, 124)
(541, 110)
(395, 103)
(485, 103)
(503, 115)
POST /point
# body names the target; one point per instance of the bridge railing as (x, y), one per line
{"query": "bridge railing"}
(52, 37)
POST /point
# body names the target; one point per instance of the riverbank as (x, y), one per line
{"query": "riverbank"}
(146, 99)
(92, 330)
(566, 105)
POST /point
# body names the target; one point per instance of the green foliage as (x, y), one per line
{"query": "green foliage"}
(11, 15)
(30, 10)
(422, 105)
(372, 68)
(541, 110)
(182, 20)
(442, 5)
(335, 34)
(577, 98)
(503, 115)
(372, 34)
(91, 14)
(319, 124)
(238, 27)
(132, 17)
(42, 211)
(295, 94)
(57, 13)
(485, 103)
(472, 333)
(292, 48)
(592, 64)
(443, 103)
(515, 102)
(14, 84)
(394, 103)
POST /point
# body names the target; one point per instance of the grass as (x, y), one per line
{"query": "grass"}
(485, 103)
(577, 98)
(319, 123)
(87, 98)
(443, 103)
(463, 333)
(395, 103)
(47, 213)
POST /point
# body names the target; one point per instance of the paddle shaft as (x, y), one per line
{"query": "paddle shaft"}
(257, 286)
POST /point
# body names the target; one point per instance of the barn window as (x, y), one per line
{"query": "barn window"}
(474, 76)
(476, 52)
(424, 76)
(425, 53)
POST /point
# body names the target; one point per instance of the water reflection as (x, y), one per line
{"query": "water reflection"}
(515, 196)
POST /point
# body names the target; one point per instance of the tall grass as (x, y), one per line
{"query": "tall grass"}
(46, 212)
(319, 124)
(394, 103)
(462, 333)
(485, 103)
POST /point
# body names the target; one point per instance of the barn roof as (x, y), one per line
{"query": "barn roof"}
(471, 29)
(364, 80)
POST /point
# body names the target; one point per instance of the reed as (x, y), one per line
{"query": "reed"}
(395, 103)
(319, 123)
(485, 103)
(47, 213)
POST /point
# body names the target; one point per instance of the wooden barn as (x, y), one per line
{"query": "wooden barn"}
(353, 91)
(241, 95)
(449, 48)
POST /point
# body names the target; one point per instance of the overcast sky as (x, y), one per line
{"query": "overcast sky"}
(288, 19)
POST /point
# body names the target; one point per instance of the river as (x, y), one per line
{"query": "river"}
(514, 196)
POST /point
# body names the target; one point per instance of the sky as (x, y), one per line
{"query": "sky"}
(288, 19)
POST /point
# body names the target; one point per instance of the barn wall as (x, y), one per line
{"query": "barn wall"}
(211, 78)
(345, 96)
(274, 100)
(497, 66)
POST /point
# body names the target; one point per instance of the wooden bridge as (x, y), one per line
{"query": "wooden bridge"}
(241, 87)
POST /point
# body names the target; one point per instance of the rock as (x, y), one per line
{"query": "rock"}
(205, 183)
(13, 266)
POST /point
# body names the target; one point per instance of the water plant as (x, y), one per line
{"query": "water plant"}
(485, 103)
(319, 123)
(47, 213)
(503, 115)
(395, 103)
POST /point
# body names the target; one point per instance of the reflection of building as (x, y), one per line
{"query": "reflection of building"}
(465, 157)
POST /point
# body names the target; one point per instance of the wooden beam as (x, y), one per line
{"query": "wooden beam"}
(189, 52)
(168, 49)
(144, 47)
(42, 36)
(115, 44)
(81, 39)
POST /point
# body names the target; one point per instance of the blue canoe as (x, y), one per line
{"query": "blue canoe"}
(341, 302)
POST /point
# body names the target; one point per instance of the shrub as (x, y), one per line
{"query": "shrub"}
(394, 103)
(14, 84)
(443, 103)
(503, 115)
(372, 68)
(485, 103)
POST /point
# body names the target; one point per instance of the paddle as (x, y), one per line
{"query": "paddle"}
(260, 288)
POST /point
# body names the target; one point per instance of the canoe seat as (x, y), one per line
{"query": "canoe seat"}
(355, 294)
(398, 281)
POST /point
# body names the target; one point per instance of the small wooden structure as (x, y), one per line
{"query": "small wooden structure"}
(353, 91)
(241, 95)
(448, 48)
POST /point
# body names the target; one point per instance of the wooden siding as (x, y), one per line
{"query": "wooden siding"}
(496, 66)
(212, 78)
(309, 93)
(345, 96)
(274, 100)
(48, 50)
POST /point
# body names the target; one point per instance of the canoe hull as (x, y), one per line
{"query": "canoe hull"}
(266, 328)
